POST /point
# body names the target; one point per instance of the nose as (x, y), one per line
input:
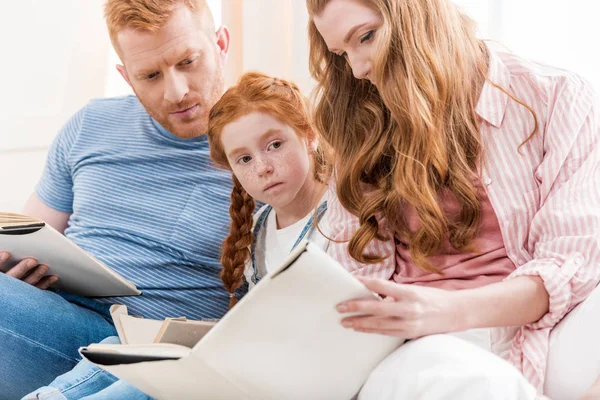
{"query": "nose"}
(361, 68)
(264, 166)
(176, 87)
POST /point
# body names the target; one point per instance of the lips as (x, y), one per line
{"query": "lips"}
(271, 186)
(185, 111)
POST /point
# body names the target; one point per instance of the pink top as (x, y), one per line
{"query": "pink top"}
(546, 197)
(487, 265)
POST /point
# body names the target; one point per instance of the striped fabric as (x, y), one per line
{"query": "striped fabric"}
(146, 203)
(546, 197)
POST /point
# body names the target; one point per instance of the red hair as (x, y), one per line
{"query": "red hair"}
(254, 92)
(149, 15)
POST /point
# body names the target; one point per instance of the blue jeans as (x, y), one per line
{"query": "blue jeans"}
(86, 381)
(41, 332)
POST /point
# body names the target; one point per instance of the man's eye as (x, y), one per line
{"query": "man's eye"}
(186, 62)
(152, 75)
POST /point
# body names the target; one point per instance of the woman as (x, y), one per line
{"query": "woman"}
(463, 170)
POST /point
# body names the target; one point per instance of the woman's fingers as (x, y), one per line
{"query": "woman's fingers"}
(383, 286)
(369, 307)
(378, 324)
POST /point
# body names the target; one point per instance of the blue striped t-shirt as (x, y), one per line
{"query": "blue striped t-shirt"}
(148, 204)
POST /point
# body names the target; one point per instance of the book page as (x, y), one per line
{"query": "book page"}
(186, 378)
(139, 330)
(78, 272)
(116, 310)
(185, 333)
(11, 220)
(153, 349)
(283, 340)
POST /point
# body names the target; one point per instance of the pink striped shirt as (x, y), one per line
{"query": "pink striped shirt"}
(546, 197)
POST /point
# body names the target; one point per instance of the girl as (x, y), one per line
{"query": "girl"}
(469, 173)
(260, 130)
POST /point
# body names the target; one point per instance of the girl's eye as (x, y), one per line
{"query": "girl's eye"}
(275, 145)
(245, 159)
(368, 36)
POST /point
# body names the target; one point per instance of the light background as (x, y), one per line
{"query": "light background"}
(56, 56)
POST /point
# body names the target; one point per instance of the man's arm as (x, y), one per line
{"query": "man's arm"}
(36, 208)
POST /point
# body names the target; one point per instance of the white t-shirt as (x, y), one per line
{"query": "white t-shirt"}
(279, 242)
(273, 246)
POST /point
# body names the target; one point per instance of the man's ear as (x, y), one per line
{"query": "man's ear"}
(223, 38)
(124, 74)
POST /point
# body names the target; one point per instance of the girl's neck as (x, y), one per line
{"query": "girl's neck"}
(306, 201)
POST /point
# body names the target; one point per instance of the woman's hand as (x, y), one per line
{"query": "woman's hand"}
(407, 311)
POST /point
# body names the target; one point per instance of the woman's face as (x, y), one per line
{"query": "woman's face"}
(349, 27)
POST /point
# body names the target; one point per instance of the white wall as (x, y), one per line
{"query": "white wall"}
(268, 36)
(563, 33)
(53, 62)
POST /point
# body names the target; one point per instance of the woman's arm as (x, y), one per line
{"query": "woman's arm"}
(411, 311)
(514, 302)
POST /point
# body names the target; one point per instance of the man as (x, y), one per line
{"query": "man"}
(130, 181)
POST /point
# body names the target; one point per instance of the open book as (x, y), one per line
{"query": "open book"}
(137, 330)
(78, 272)
(283, 340)
(171, 338)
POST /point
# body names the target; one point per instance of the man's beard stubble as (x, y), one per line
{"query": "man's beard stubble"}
(205, 105)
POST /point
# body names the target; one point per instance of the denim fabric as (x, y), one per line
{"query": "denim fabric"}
(119, 390)
(89, 382)
(40, 333)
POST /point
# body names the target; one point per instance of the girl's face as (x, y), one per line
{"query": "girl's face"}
(269, 159)
(349, 27)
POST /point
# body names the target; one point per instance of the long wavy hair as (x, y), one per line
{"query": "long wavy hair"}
(401, 143)
(256, 92)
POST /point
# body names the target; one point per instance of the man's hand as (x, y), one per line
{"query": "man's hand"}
(29, 271)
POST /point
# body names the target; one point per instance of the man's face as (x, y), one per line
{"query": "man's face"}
(176, 72)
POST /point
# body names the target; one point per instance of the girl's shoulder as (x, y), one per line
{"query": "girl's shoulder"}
(260, 212)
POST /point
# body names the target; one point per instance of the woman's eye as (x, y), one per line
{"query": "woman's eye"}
(368, 36)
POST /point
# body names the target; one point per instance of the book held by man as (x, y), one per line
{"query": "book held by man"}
(283, 340)
(78, 272)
